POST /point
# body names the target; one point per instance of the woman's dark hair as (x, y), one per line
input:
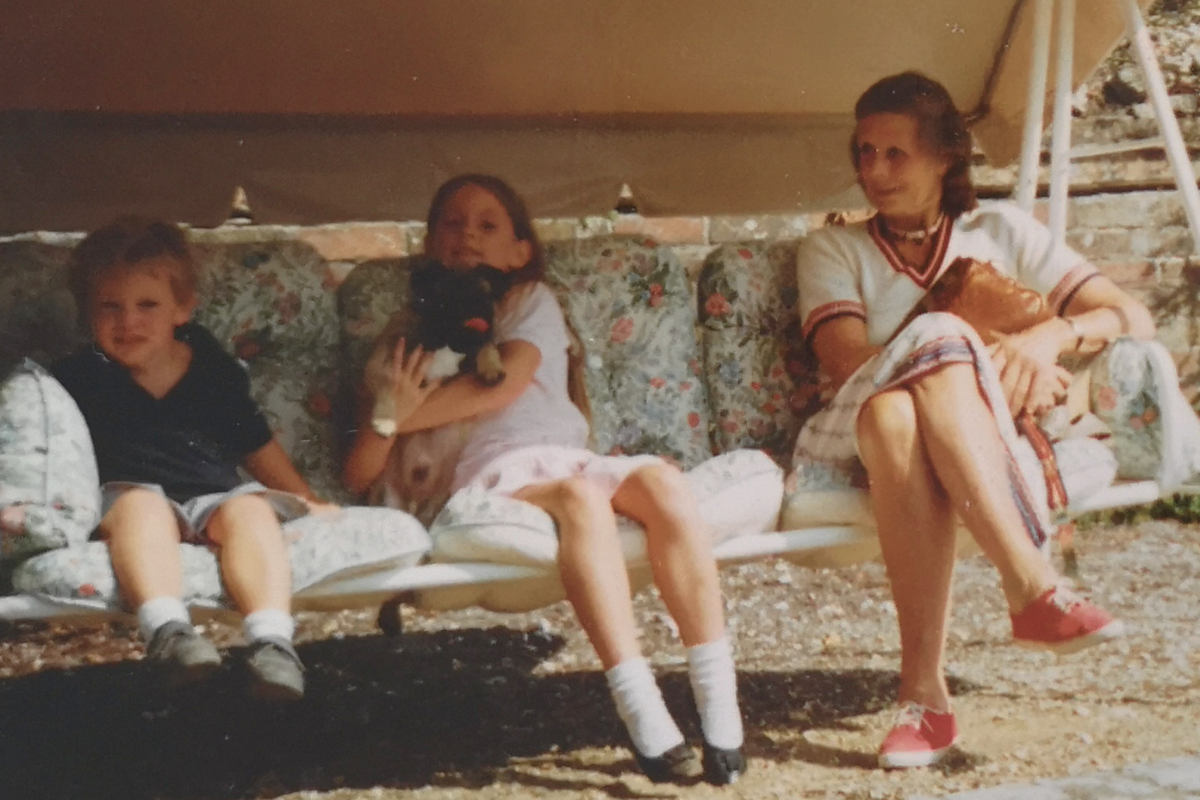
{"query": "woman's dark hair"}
(939, 125)
(514, 206)
(126, 243)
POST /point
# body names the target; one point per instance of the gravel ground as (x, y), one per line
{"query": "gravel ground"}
(474, 706)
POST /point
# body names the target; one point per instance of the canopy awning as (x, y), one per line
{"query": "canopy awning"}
(357, 109)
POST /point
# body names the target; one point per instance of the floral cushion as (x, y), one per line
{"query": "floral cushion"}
(49, 489)
(629, 301)
(37, 311)
(272, 303)
(1155, 433)
(348, 542)
(739, 493)
(758, 376)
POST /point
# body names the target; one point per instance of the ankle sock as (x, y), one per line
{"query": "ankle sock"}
(268, 622)
(640, 706)
(153, 614)
(714, 686)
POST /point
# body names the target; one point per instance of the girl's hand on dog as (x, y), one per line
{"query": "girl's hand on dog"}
(409, 387)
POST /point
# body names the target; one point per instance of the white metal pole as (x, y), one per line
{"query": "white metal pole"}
(1181, 165)
(1060, 137)
(1035, 103)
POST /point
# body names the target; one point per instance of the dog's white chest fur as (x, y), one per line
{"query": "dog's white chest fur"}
(444, 363)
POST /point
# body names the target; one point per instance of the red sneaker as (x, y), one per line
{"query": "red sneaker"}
(1063, 622)
(919, 738)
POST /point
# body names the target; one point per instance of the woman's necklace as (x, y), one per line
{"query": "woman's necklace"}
(917, 237)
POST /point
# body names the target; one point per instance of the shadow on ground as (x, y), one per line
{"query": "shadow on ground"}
(447, 708)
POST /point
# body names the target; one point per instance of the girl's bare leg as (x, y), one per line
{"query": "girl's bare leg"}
(680, 549)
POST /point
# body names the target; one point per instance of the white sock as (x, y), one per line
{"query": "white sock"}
(714, 685)
(153, 614)
(268, 622)
(640, 706)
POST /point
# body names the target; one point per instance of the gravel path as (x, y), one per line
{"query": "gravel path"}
(475, 706)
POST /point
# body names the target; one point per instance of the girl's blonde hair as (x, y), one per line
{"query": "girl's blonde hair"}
(534, 270)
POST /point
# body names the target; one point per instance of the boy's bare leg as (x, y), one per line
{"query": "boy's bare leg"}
(254, 558)
(258, 577)
(143, 542)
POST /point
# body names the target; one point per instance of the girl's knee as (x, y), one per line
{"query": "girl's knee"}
(575, 500)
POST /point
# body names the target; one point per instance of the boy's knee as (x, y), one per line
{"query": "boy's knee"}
(250, 512)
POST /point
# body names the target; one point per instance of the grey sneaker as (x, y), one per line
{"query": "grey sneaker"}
(275, 670)
(183, 655)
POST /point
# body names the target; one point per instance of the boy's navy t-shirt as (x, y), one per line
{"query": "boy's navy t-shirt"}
(191, 440)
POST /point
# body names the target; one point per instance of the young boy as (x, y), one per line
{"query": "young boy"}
(171, 419)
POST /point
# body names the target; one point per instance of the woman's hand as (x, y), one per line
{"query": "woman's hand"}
(1029, 373)
(409, 387)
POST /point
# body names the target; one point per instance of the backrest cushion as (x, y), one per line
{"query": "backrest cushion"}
(628, 300)
(271, 302)
(760, 382)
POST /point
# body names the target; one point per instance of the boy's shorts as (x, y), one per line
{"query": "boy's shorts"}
(193, 516)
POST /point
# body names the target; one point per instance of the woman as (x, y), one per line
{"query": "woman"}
(925, 407)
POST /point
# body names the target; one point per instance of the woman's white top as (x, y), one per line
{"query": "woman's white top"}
(853, 270)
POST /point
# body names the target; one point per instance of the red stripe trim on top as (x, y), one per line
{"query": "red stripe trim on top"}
(933, 266)
(838, 308)
(1061, 294)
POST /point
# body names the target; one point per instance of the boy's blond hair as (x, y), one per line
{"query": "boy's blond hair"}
(125, 243)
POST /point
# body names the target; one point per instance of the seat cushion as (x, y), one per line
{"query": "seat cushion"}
(738, 493)
(351, 541)
(49, 487)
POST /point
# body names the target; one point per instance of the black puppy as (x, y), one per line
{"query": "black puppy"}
(450, 315)
(455, 310)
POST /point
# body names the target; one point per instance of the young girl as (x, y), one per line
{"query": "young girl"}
(529, 442)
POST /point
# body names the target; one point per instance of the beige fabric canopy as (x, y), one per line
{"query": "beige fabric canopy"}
(357, 109)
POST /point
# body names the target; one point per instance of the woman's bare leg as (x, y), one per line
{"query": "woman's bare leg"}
(916, 534)
(963, 444)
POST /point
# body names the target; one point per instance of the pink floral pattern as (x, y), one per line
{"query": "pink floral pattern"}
(758, 377)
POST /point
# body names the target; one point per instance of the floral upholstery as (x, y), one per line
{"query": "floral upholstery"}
(49, 489)
(37, 311)
(630, 302)
(759, 379)
(1155, 433)
(346, 542)
(628, 299)
(272, 303)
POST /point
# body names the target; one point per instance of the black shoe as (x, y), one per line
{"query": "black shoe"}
(275, 670)
(183, 655)
(677, 765)
(723, 767)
